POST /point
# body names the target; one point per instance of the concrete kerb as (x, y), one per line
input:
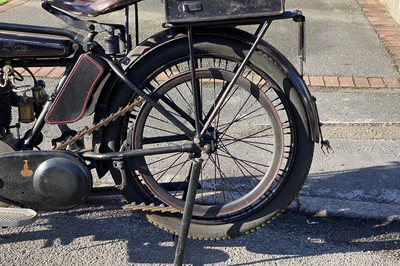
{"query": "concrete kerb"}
(337, 207)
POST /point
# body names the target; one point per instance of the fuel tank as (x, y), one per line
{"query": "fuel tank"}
(44, 180)
(16, 45)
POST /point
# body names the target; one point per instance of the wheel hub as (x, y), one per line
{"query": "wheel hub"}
(209, 143)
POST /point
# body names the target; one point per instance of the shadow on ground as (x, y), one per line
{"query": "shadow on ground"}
(292, 235)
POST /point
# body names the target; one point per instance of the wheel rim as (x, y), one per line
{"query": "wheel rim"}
(224, 193)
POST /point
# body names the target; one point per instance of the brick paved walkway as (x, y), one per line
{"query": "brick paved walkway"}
(352, 82)
(383, 23)
(11, 4)
(388, 32)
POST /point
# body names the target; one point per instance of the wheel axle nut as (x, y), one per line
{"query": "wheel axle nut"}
(204, 156)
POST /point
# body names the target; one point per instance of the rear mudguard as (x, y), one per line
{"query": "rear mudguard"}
(164, 37)
(167, 38)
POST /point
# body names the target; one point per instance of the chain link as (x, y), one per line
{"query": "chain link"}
(150, 208)
(104, 122)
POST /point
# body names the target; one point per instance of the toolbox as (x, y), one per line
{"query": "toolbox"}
(195, 11)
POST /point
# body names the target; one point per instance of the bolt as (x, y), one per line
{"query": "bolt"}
(204, 156)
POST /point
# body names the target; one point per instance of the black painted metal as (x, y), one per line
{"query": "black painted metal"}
(15, 46)
(193, 11)
(44, 180)
(34, 191)
(226, 91)
(29, 62)
(241, 21)
(42, 30)
(77, 92)
(195, 84)
(117, 70)
(188, 210)
(5, 106)
(105, 191)
(118, 156)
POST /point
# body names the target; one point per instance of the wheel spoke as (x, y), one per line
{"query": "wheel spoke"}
(257, 146)
(232, 139)
(160, 129)
(218, 98)
(241, 167)
(246, 123)
(178, 110)
(242, 118)
(218, 166)
(173, 165)
(163, 158)
(223, 178)
(251, 136)
(250, 164)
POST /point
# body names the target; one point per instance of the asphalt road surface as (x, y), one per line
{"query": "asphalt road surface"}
(101, 233)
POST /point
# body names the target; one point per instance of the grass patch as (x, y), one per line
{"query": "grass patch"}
(4, 1)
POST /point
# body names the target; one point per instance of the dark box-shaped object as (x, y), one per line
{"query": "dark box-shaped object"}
(74, 99)
(192, 11)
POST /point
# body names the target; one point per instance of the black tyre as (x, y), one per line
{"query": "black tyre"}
(259, 149)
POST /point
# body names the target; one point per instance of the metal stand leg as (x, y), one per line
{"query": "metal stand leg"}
(187, 211)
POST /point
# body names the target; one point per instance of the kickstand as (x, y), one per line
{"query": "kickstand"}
(187, 211)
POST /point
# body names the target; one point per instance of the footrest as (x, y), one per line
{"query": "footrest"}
(15, 217)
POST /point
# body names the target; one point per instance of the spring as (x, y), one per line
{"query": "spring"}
(111, 45)
(5, 106)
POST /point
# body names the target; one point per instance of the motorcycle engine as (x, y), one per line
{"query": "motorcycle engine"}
(43, 180)
(29, 101)
(5, 107)
(6, 138)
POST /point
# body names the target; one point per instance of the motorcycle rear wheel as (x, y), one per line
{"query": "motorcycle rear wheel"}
(261, 152)
(246, 146)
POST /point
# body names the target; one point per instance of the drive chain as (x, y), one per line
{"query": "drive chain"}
(103, 122)
(150, 208)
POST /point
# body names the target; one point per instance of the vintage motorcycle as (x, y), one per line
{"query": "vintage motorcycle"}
(202, 114)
